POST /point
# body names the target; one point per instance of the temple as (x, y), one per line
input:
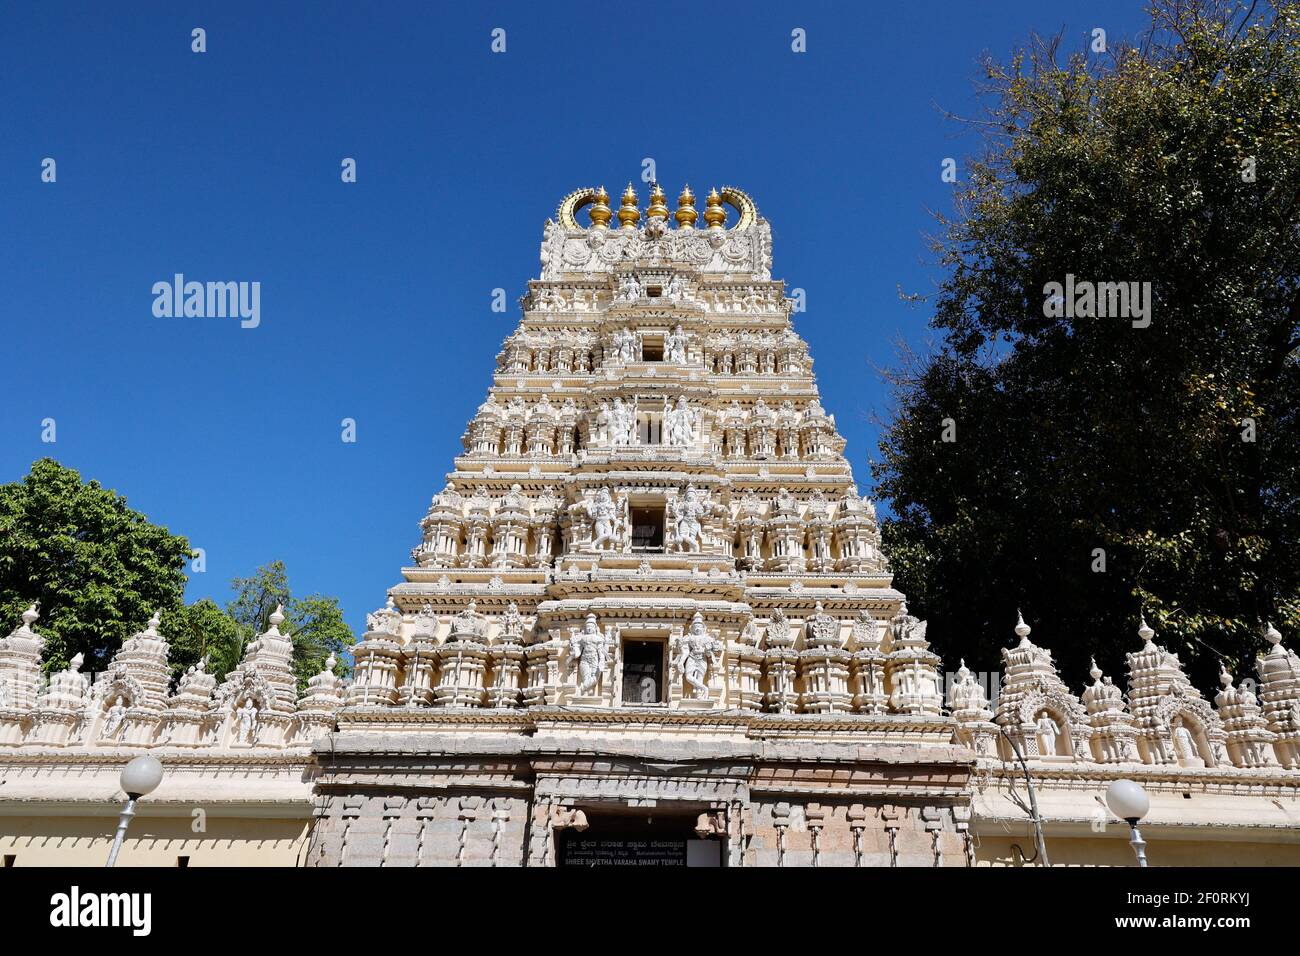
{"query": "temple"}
(648, 622)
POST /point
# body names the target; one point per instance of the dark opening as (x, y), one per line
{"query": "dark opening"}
(183, 861)
(653, 291)
(647, 529)
(652, 351)
(637, 841)
(10, 860)
(643, 672)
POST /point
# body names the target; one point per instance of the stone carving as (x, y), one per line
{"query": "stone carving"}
(687, 515)
(680, 422)
(607, 520)
(589, 654)
(698, 655)
(115, 718)
(675, 341)
(247, 717)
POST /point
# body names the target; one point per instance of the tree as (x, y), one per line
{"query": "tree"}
(97, 568)
(1105, 467)
(315, 622)
(200, 630)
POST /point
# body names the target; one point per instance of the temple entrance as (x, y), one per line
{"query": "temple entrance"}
(638, 840)
(643, 671)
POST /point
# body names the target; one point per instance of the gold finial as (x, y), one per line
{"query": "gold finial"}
(658, 203)
(686, 214)
(600, 211)
(714, 214)
(627, 213)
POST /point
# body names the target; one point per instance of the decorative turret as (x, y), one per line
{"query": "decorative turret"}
(780, 662)
(462, 661)
(192, 718)
(824, 666)
(1174, 723)
(1035, 707)
(61, 708)
(20, 676)
(912, 668)
(1112, 724)
(1279, 678)
(259, 696)
(867, 677)
(321, 702)
(969, 706)
(1246, 735)
(377, 659)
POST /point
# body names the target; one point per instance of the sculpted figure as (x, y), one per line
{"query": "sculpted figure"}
(675, 346)
(604, 515)
(116, 715)
(688, 512)
(699, 652)
(247, 717)
(589, 654)
(629, 289)
(622, 424)
(1048, 731)
(600, 424)
(679, 423)
(1184, 744)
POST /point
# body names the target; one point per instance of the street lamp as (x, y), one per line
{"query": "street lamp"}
(140, 778)
(1128, 801)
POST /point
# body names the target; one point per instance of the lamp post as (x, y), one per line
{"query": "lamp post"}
(140, 777)
(1128, 801)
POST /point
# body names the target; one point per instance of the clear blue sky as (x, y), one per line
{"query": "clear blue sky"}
(376, 295)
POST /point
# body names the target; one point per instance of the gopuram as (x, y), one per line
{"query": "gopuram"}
(649, 622)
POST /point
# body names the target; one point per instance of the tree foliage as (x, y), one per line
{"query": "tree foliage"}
(315, 622)
(98, 568)
(1174, 162)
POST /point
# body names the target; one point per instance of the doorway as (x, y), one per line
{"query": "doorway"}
(643, 672)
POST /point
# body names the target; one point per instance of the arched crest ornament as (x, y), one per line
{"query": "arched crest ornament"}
(119, 684)
(1064, 706)
(1177, 703)
(247, 685)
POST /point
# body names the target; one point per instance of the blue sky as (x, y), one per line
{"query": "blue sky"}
(375, 296)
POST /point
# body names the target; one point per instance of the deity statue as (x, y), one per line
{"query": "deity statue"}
(600, 428)
(116, 717)
(1184, 744)
(675, 346)
(589, 654)
(679, 423)
(675, 291)
(629, 289)
(247, 718)
(699, 651)
(622, 424)
(1048, 731)
(688, 531)
(604, 514)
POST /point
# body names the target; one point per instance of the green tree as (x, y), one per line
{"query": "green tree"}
(199, 630)
(1165, 454)
(315, 623)
(98, 568)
